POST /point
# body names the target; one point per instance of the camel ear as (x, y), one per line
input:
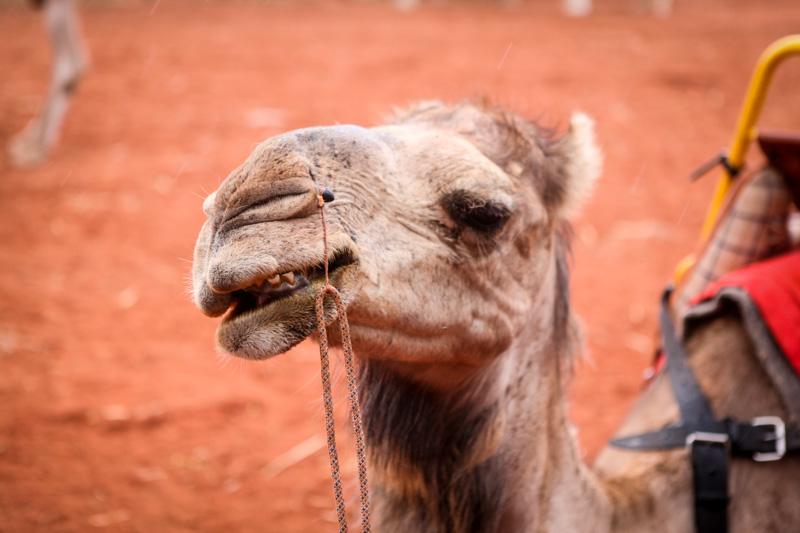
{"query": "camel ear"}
(581, 164)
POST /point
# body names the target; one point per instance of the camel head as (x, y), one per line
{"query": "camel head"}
(443, 234)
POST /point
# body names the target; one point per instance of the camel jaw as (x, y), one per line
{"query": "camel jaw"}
(269, 317)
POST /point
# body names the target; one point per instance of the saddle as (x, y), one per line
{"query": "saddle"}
(750, 262)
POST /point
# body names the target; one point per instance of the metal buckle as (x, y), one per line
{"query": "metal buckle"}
(779, 437)
(707, 438)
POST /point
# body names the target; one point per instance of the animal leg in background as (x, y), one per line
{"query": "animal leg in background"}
(32, 145)
(583, 8)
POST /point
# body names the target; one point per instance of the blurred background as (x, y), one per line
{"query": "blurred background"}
(116, 412)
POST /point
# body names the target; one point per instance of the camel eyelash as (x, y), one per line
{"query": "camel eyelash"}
(480, 214)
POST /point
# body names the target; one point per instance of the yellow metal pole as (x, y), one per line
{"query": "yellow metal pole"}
(745, 128)
(744, 133)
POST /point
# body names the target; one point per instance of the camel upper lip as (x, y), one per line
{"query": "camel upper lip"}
(268, 289)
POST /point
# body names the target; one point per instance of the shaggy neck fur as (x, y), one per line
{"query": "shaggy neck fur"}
(432, 464)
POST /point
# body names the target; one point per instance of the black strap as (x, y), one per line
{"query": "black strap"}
(745, 439)
(695, 410)
(708, 443)
(710, 479)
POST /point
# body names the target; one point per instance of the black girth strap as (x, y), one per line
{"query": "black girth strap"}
(694, 407)
(710, 479)
(709, 441)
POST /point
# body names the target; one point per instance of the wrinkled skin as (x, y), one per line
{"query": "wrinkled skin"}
(446, 244)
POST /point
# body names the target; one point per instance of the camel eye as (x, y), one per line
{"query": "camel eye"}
(485, 216)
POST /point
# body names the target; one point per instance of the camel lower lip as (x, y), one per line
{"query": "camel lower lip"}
(261, 332)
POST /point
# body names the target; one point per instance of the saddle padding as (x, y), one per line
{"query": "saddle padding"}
(767, 296)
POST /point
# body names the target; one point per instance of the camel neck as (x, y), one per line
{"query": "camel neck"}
(494, 455)
(554, 490)
(488, 449)
(432, 464)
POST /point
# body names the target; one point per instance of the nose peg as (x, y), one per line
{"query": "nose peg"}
(325, 196)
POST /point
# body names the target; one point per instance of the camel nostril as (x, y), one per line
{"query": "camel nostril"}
(277, 200)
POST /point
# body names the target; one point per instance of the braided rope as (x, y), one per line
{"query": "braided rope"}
(355, 411)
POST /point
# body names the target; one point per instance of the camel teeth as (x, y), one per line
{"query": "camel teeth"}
(288, 277)
(275, 281)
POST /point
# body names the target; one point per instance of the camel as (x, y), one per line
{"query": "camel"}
(449, 244)
(32, 145)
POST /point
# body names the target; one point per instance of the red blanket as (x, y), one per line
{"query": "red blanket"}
(774, 286)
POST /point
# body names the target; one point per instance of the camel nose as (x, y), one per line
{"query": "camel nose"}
(259, 201)
(244, 243)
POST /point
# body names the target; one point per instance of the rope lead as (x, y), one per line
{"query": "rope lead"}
(324, 196)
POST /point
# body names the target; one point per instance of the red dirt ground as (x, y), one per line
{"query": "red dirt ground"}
(117, 414)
